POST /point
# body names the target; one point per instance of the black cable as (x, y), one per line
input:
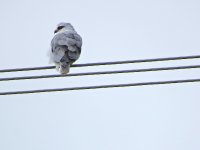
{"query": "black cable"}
(101, 86)
(104, 63)
(100, 73)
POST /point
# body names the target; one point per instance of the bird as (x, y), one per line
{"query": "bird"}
(65, 47)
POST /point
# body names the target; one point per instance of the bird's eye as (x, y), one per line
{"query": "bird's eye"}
(60, 27)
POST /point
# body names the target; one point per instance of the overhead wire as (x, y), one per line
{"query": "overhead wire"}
(104, 63)
(101, 73)
(101, 86)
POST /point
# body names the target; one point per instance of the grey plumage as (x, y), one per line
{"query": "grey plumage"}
(65, 47)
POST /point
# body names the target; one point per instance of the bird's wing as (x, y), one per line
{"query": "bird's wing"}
(66, 45)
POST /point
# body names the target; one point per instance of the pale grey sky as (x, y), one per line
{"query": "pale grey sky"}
(149, 117)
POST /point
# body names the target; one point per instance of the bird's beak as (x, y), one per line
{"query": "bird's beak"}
(55, 31)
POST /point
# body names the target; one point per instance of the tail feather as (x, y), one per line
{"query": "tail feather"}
(64, 68)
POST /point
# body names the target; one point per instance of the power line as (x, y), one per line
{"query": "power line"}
(105, 63)
(101, 73)
(101, 86)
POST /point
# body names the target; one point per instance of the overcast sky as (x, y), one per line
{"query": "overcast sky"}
(163, 117)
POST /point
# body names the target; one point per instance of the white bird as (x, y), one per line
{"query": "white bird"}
(65, 47)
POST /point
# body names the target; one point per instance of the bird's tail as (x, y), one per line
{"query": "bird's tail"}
(64, 68)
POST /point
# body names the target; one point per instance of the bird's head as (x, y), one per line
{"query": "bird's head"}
(63, 27)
